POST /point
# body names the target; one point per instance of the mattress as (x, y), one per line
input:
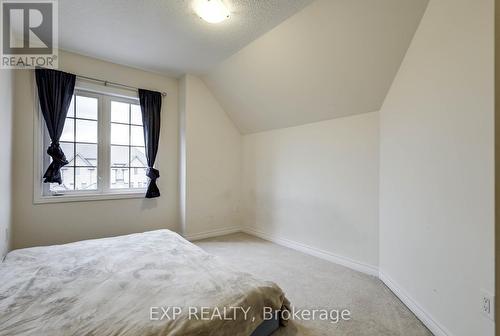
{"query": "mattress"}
(152, 283)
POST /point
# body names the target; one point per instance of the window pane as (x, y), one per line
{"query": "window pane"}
(119, 134)
(137, 133)
(119, 112)
(86, 155)
(86, 178)
(86, 131)
(135, 115)
(67, 174)
(71, 109)
(68, 133)
(86, 107)
(138, 157)
(119, 156)
(69, 152)
(138, 178)
(119, 178)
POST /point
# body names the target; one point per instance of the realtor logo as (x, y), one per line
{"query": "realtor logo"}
(29, 34)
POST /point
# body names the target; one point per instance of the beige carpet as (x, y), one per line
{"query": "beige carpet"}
(313, 283)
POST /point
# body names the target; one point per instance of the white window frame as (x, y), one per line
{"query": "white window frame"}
(104, 192)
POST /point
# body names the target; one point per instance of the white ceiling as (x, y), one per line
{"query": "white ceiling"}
(334, 58)
(165, 36)
(273, 64)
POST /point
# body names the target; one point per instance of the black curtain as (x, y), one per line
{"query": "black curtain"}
(55, 90)
(151, 106)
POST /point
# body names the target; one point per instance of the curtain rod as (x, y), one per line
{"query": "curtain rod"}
(118, 85)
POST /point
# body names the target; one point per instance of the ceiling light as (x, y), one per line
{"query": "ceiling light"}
(212, 11)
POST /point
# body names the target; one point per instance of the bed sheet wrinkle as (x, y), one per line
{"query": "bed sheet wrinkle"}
(108, 286)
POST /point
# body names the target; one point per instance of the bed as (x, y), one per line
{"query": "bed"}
(148, 284)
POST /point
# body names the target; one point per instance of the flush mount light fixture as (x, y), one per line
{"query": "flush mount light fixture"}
(212, 11)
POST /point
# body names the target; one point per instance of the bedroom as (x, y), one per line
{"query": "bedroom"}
(329, 162)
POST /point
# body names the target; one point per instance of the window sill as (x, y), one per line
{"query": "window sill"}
(88, 198)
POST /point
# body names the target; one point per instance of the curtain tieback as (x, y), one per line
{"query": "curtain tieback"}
(152, 173)
(53, 174)
(57, 154)
(153, 190)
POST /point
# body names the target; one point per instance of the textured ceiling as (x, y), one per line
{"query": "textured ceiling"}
(165, 35)
(332, 59)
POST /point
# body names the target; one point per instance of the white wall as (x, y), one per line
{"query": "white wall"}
(317, 185)
(6, 114)
(211, 173)
(437, 168)
(64, 222)
(497, 164)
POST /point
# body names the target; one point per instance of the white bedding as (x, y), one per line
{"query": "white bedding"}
(111, 286)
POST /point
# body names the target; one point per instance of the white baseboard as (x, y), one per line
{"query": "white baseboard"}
(213, 233)
(436, 328)
(338, 259)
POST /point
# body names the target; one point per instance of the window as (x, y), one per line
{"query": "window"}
(127, 146)
(103, 140)
(79, 142)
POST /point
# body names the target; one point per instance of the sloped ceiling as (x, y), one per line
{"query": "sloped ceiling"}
(165, 36)
(332, 59)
